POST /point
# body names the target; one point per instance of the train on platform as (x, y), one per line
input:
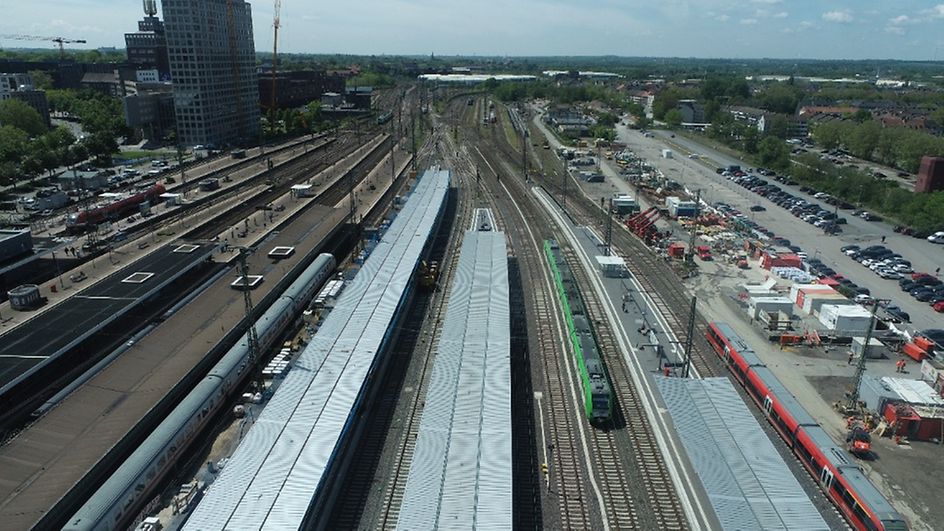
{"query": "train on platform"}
(594, 380)
(117, 502)
(113, 208)
(843, 481)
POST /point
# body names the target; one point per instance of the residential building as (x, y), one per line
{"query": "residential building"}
(213, 65)
(692, 112)
(147, 47)
(20, 87)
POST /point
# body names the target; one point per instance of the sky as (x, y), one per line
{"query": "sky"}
(789, 29)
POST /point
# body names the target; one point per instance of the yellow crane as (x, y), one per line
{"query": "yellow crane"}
(58, 40)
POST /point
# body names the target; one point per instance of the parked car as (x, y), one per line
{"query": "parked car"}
(897, 315)
(939, 307)
(757, 208)
(937, 237)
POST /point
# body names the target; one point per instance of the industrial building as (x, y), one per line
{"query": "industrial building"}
(931, 175)
(15, 243)
(295, 89)
(213, 65)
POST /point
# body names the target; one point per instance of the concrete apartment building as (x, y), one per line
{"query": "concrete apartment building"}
(213, 67)
(20, 87)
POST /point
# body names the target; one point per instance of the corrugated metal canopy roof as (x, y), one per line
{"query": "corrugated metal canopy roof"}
(461, 469)
(277, 471)
(748, 483)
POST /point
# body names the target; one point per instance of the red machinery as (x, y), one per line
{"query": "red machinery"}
(644, 224)
(113, 210)
(704, 252)
(841, 479)
(859, 442)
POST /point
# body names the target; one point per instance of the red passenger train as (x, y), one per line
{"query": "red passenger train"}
(114, 209)
(834, 469)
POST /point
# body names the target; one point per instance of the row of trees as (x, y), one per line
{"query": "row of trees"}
(307, 119)
(28, 149)
(924, 212)
(898, 147)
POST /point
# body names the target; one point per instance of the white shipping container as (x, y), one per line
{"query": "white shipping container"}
(845, 319)
(667, 153)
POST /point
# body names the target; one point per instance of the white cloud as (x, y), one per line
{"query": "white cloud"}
(782, 14)
(748, 21)
(722, 18)
(837, 16)
(896, 30)
(936, 11)
(768, 2)
(899, 20)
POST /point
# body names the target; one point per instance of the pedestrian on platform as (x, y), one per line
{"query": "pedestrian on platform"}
(849, 361)
(883, 239)
(666, 371)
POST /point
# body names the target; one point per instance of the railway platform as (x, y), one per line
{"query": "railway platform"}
(42, 340)
(67, 452)
(465, 436)
(287, 471)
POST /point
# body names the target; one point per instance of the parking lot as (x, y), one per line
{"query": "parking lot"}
(819, 245)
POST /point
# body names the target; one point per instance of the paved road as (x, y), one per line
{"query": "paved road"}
(696, 174)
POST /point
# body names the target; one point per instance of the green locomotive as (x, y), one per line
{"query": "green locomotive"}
(597, 393)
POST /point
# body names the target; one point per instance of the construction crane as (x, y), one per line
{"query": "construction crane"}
(59, 40)
(276, 23)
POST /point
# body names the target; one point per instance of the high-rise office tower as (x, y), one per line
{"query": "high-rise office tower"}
(147, 47)
(213, 65)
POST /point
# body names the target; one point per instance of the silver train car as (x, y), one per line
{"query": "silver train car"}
(119, 499)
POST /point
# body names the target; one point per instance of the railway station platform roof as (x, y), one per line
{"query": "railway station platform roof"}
(283, 466)
(745, 478)
(464, 441)
(42, 339)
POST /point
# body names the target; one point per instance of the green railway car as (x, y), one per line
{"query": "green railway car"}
(595, 383)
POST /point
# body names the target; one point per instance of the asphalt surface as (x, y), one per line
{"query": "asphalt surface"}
(695, 174)
(53, 331)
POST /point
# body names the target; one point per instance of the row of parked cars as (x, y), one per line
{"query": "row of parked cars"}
(811, 213)
(889, 265)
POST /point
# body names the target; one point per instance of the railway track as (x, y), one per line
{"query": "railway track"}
(393, 495)
(566, 454)
(658, 507)
(636, 489)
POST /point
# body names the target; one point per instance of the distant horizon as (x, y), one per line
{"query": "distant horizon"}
(800, 30)
(542, 57)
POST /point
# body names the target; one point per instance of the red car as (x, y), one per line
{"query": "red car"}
(939, 306)
(915, 276)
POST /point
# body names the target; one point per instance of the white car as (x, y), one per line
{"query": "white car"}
(937, 237)
(863, 299)
(889, 274)
(903, 268)
(868, 262)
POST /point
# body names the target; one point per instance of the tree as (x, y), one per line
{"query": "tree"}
(13, 144)
(828, 134)
(774, 153)
(673, 117)
(18, 114)
(779, 126)
(41, 79)
(864, 139)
